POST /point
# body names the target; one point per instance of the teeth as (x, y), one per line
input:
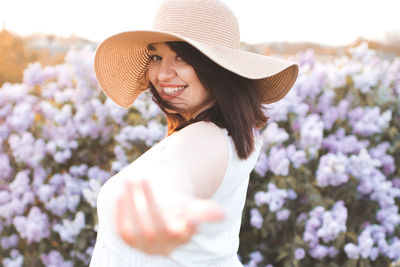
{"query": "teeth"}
(171, 90)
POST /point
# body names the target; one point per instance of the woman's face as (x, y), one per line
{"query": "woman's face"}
(176, 81)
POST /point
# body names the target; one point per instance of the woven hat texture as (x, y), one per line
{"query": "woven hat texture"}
(121, 60)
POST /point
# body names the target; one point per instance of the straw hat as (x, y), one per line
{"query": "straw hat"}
(209, 25)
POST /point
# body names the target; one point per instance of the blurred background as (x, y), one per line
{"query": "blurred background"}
(44, 30)
(325, 190)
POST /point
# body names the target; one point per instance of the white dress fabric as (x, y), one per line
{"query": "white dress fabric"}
(214, 244)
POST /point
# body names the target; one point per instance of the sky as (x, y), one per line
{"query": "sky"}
(331, 22)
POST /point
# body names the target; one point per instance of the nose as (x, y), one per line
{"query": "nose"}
(166, 71)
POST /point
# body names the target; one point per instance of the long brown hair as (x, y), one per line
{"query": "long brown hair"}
(238, 106)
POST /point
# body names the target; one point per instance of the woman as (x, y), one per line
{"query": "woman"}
(181, 202)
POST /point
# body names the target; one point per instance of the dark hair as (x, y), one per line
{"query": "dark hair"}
(238, 106)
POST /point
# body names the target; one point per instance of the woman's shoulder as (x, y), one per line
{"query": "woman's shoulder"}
(202, 128)
(199, 137)
(199, 133)
(201, 150)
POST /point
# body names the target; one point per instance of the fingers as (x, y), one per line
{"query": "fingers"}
(154, 211)
(133, 191)
(190, 230)
(206, 211)
(124, 224)
(143, 224)
(171, 229)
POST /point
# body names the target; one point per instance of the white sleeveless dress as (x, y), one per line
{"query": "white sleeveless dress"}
(214, 244)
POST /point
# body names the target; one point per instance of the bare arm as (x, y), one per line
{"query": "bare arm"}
(163, 212)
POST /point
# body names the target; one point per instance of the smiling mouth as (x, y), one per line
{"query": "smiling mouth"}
(172, 91)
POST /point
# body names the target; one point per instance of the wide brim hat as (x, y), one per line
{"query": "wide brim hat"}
(121, 61)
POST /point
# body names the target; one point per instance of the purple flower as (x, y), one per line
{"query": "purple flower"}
(395, 249)
(298, 158)
(78, 171)
(68, 230)
(57, 205)
(283, 215)
(4, 197)
(332, 170)
(319, 252)
(299, 253)
(9, 241)
(90, 193)
(34, 227)
(274, 135)
(311, 85)
(260, 198)
(307, 58)
(116, 112)
(145, 107)
(333, 222)
(54, 259)
(325, 225)
(332, 251)
(5, 167)
(312, 133)
(275, 197)
(302, 217)
(26, 149)
(64, 75)
(362, 52)
(62, 156)
(16, 259)
(256, 256)
(45, 192)
(389, 217)
(39, 176)
(278, 162)
(367, 121)
(98, 174)
(362, 165)
(374, 253)
(155, 132)
(35, 75)
(20, 185)
(342, 108)
(380, 150)
(256, 219)
(261, 166)
(278, 111)
(396, 182)
(22, 117)
(340, 143)
(352, 251)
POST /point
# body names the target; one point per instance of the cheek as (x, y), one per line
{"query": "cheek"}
(150, 75)
(205, 95)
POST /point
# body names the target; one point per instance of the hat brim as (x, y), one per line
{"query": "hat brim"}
(121, 62)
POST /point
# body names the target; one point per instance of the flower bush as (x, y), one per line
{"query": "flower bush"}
(325, 190)
(60, 140)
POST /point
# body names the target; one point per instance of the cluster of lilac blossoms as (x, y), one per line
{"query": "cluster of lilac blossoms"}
(275, 198)
(51, 124)
(337, 121)
(324, 226)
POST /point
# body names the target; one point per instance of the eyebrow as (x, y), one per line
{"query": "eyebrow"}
(151, 47)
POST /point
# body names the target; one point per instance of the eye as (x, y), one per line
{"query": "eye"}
(154, 57)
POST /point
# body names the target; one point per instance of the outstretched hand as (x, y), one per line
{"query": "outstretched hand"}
(158, 229)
